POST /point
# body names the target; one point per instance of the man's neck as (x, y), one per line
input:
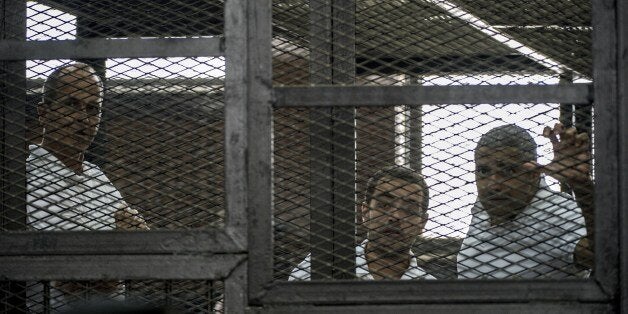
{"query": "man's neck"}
(383, 264)
(69, 156)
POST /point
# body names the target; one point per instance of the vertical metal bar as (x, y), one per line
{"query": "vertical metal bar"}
(13, 146)
(235, 141)
(13, 93)
(235, 300)
(415, 131)
(566, 115)
(47, 299)
(168, 292)
(606, 169)
(321, 170)
(259, 143)
(622, 29)
(97, 152)
(211, 305)
(343, 141)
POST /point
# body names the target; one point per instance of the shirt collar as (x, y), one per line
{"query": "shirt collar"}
(42, 158)
(362, 265)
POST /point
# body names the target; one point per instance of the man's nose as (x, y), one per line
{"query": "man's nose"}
(394, 216)
(497, 182)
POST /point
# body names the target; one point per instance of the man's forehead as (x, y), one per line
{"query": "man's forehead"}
(505, 154)
(79, 77)
(397, 186)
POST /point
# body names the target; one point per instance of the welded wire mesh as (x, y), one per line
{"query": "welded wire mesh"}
(127, 296)
(324, 157)
(156, 156)
(431, 39)
(537, 240)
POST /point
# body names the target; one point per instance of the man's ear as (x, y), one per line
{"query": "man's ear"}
(424, 219)
(364, 210)
(42, 113)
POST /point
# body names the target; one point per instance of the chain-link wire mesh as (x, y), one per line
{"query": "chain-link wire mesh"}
(118, 296)
(492, 214)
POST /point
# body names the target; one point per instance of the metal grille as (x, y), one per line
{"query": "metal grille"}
(160, 136)
(430, 39)
(325, 156)
(112, 140)
(122, 296)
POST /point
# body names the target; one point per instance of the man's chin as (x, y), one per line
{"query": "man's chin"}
(389, 245)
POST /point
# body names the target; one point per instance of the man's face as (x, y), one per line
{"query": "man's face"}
(504, 185)
(72, 118)
(393, 216)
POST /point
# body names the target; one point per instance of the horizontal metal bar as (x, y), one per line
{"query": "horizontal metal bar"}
(113, 242)
(95, 48)
(96, 267)
(415, 95)
(441, 291)
(532, 308)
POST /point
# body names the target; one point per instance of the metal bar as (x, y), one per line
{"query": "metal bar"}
(113, 242)
(12, 123)
(313, 96)
(235, 299)
(236, 89)
(96, 48)
(259, 152)
(343, 142)
(415, 131)
(97, 152)
(437, 291)
(98, 267)
(520, 308)
(321, 159)
(607, 173)
(622, 29)
(566, 116)
(13, 146)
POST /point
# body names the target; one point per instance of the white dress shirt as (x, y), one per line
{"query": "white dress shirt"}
(539, 243)
(303, 270)
(59, 199)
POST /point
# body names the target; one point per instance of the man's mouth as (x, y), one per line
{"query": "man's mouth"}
(498, 198)
(391, 232)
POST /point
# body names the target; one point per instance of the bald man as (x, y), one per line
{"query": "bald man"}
(65, 192)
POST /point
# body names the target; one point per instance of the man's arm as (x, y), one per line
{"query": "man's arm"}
(572, 165)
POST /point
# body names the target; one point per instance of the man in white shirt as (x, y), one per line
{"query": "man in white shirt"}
(394, 214)
(65, 192)
(521, 228)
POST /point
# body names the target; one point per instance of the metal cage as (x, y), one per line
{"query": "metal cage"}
(315, 96)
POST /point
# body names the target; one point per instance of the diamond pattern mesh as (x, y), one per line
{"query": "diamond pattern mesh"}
(541, 229)
(156, 160)
(522, 217)
(128, 296)
(428, 191)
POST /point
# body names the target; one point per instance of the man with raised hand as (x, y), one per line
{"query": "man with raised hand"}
(394, 214)
(520, 228)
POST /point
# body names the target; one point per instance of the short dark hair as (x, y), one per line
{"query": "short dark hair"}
(51, 86)
(509, 135)
(398, 172)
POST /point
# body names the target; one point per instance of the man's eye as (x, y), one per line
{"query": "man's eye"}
(483, 171)
(93, 110)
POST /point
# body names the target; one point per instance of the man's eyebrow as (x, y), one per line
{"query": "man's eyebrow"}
(405, 198)
(384, 194)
